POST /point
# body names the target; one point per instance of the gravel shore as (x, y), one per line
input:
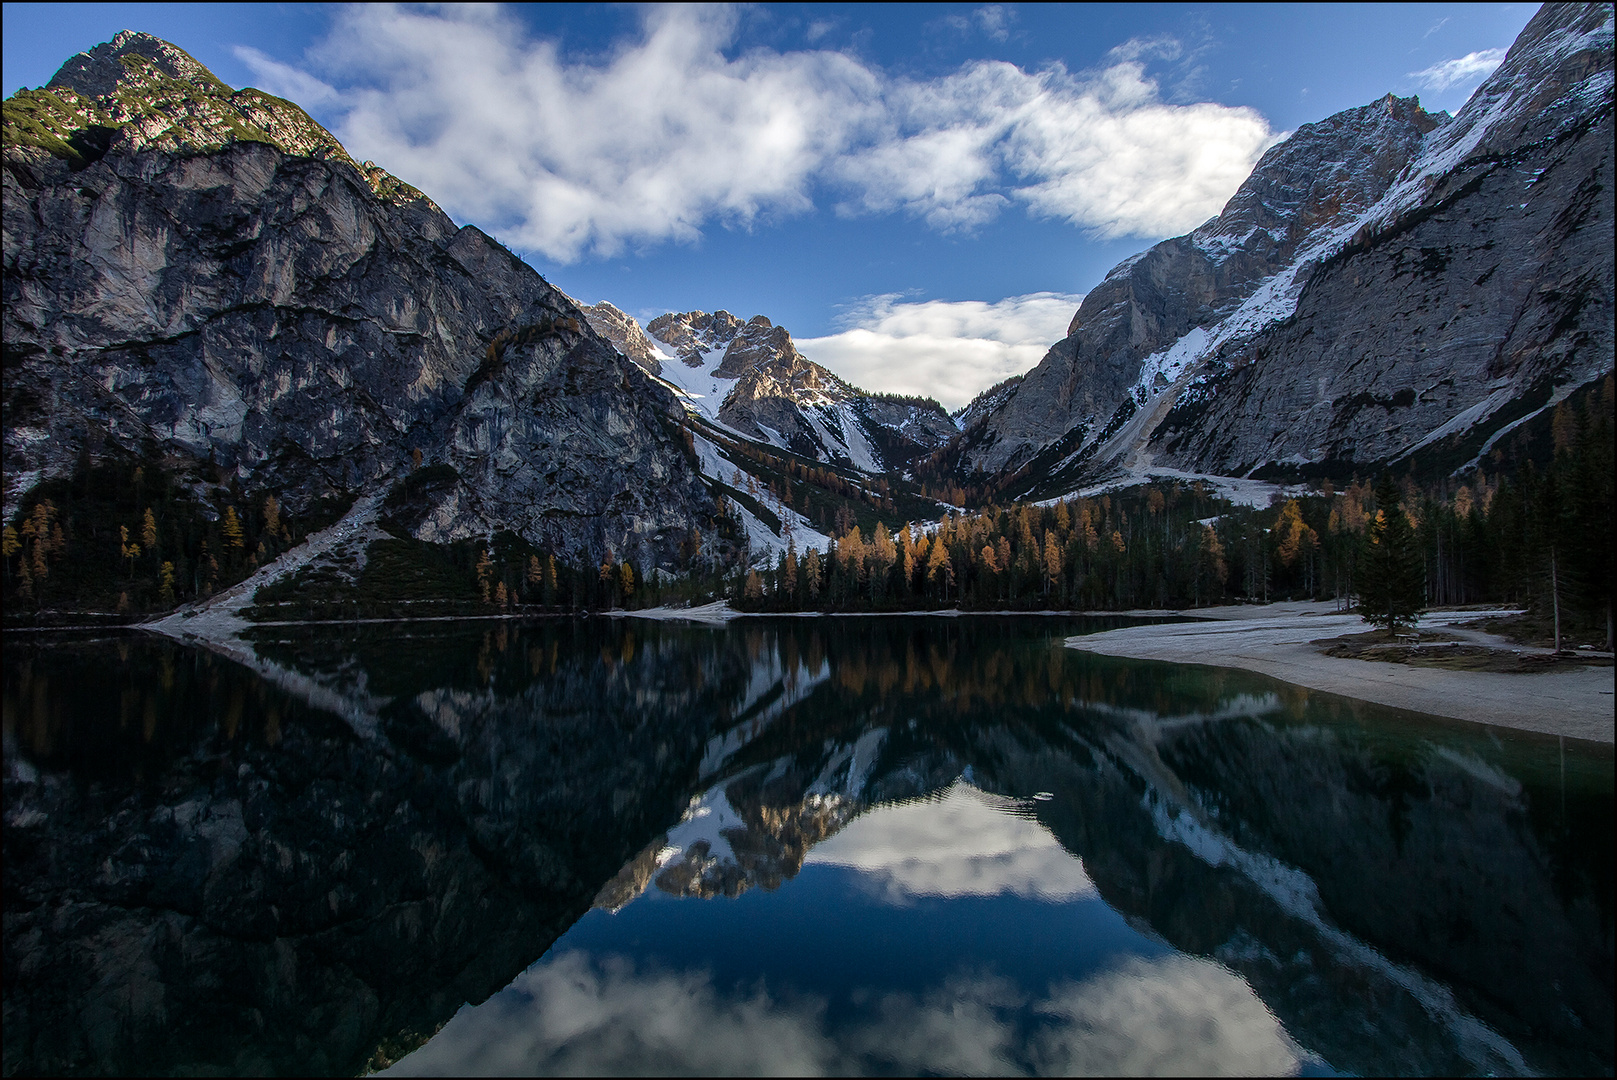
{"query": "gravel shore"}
(1275, 640)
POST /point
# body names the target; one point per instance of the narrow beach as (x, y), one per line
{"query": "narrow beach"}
(1275, 640)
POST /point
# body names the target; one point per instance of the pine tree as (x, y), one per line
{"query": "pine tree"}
(811, 575)
(1391, 571)
(231, 529)
(1212, 570)
(12, 544)
(937, 564)
(1052, 562)
(126, 549)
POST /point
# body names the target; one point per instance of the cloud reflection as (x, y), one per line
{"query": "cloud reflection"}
(1177, 1016)
(964, 844)
(575, 1015)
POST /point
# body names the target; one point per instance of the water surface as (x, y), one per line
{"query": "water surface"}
(798, 845)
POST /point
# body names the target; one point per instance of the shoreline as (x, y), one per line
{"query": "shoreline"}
(1275, 640)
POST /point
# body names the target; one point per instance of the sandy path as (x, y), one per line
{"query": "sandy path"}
(1274, 640)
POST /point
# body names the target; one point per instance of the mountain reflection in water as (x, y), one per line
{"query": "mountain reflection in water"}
(834, 845)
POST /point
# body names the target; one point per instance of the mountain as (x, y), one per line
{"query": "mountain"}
(203, 277)
(1387, 282)
(750, 378)
(625, 335)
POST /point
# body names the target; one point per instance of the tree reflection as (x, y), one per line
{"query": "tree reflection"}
(310, 849)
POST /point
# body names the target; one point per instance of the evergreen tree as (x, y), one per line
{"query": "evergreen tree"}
(232, 531)
(1391, 571)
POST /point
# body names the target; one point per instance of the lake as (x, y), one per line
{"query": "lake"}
(848, 845)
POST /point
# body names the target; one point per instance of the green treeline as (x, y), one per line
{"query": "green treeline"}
(1541, 537)
(130, 536)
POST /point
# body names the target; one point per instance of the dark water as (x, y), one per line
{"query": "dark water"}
(821, 845)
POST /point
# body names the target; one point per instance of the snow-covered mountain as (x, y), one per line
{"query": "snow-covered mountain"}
(749, 378)
(767, 424)
(1386, 281)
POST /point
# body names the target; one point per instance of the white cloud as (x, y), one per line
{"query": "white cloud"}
(1162, 46)
(994, 19)
(1472, 67)
(948, 350)
(286, 81)
(668, 135)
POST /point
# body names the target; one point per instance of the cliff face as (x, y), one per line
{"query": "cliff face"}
(1383, 279)
(1480, 292)
(205, 273)
(1323, 174)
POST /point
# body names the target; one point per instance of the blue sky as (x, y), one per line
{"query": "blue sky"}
(919, 194)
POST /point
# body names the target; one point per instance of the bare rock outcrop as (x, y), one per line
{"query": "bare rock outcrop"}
(206, 275)
(1385, 283)
(624, 333)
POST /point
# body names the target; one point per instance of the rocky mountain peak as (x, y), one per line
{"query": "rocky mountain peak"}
(692, 333)
(1323, 175)
(761, 344)
(624, 333)
(749, 377)
(137, 93)
(128, 61)
(207, 275)
(1386, 278)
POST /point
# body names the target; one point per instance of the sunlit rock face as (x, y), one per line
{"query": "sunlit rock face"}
(768, 391)
(1385, 279)
(624, 333)
(205, 273)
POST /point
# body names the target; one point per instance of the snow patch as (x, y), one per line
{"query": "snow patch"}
(1170, 363)
(1297, 895)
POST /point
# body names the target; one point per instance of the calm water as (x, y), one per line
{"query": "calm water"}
(820, 845)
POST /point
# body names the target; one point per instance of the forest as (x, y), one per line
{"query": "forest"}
(1525, 534)
(130, 538)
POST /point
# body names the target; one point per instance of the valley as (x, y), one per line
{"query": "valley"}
(1389, 291)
